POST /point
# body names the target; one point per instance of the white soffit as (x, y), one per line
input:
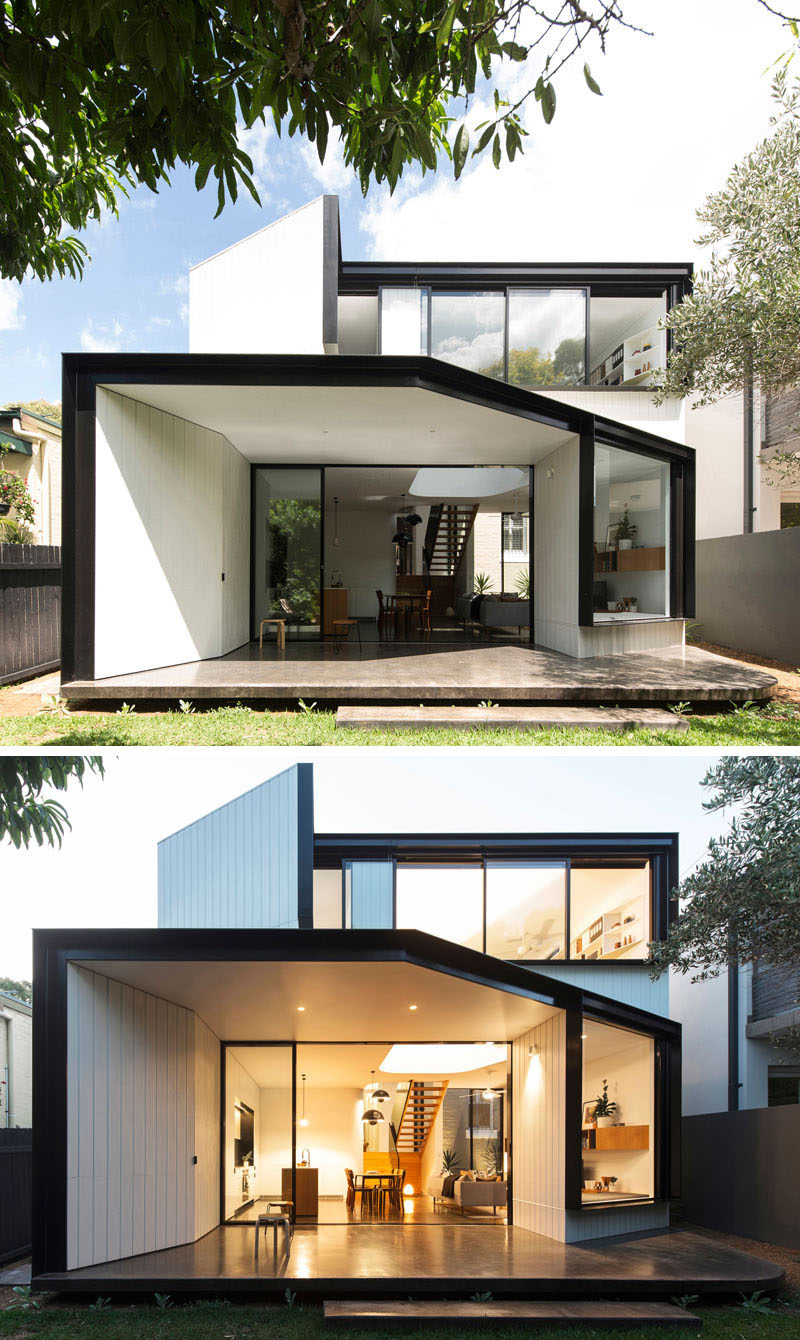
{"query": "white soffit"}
(343, 1002)
(340, 425)
(347, 1066)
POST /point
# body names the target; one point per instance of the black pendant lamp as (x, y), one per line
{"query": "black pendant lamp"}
(373, 1115)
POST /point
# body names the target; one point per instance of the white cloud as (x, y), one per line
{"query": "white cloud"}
(11, 317)
(334, 174)
(612, 178)
(260, 142)
(102, 339)
(160, 321)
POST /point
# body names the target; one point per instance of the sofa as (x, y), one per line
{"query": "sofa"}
(468, 1194)
(491, 612)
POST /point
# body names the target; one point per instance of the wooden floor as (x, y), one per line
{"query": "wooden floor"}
(455, 1256)
(447, 668)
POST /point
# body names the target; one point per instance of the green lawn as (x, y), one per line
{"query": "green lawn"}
(221, 1321)
(776, 724)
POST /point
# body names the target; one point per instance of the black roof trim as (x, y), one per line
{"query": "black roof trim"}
(603, 278)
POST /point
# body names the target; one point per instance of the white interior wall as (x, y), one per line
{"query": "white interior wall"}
(166, 493)
(555, 556)
(274, 1136)
(365, 557)
(133, 1127)
(327, 899)
(334, 1135)
(263, 295)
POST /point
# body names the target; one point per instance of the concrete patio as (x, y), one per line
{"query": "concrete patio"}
(446, 671)
(393, 1259)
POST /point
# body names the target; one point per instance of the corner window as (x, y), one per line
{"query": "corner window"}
(609, 910)
(617, 1115)
(631, 536)
(443, 900)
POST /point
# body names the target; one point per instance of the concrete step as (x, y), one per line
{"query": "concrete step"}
(599, 1313)
(509, 718)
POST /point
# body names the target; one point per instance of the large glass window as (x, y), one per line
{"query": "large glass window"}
(443, 900)
(526, 909)
(468, 329)
(617, 1123)
(546, 337)
(258, 1129)
(631, 536)
(609, 910)
(404, 316)
(286, 547)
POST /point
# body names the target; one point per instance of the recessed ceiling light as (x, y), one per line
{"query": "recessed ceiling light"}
(412, 1007)
(300, 1009)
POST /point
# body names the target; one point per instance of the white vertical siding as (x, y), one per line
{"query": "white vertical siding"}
(239, 865)
(133, 1102)
(609, 1223)
(629, 983)
(372, 895)
(538, 1117)
(167, 489)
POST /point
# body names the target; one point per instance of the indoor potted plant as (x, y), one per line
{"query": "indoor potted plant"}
(450, 1162)
(625, 531)
(604, 1108)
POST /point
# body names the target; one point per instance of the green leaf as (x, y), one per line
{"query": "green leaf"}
(591, 81)
(548, 103)
(514, 51)
(445, 30)
(484, 139)
(156, 49)
(497, 152)
(460, 150)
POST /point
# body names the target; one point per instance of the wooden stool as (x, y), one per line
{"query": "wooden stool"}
(280, 628)
(285, 1206)
(266, 1221)
(341, 630)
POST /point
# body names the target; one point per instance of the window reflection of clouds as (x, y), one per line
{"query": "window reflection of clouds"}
(468, 329)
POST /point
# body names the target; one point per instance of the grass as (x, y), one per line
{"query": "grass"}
(219, 1320)
(777, 724)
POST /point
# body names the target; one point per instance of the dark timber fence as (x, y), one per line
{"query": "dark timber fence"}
(741, 1173)
(16, 1160)
(30, 610)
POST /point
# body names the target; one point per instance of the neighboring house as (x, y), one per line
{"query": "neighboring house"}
(782, 433)
(34, 453)
(313, 1002)
(16, 1077)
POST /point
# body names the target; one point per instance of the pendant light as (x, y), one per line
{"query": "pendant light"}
(336, 541)
(304, 1118)
(516, 515)
(373, 1115)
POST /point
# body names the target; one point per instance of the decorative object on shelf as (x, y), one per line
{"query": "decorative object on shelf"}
(336, 541)
(304, 1118)
(588, 1119)
(625, 530)
(604, 1108)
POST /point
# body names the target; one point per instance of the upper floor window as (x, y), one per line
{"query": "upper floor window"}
(468, 329)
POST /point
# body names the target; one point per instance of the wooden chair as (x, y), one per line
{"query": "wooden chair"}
(291, 617)
(425, 613)
(341, 630)
(386, 613)
(396, 1190)
(351, 1189)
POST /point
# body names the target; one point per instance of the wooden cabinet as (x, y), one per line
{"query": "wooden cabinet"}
(619, 1137)
(307, 1191)
(334, 607)
(631, 560)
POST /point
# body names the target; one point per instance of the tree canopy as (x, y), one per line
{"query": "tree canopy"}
(745, 896)
(22, 990)
(742, 319)
(98, 97)
(26, 815)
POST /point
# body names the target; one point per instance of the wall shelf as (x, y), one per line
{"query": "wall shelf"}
(632, 560)
(612, 934)
(616, 1139)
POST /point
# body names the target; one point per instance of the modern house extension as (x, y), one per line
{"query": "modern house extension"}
(310, 497)
(440, 1058)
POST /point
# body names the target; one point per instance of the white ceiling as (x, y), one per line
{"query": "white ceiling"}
(368, 425)
(343, 1001)
(385, 489)
(344, 1067)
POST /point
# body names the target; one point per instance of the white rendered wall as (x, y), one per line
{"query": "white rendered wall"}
(134, 1124)
(263, 295)
(172, 508)
(20, 1078)
(702, 1010)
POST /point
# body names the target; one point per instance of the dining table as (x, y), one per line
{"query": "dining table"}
(374, 1181)
(406, 604)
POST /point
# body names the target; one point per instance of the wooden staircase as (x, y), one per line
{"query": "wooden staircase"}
(446, 536)
(423, 1101)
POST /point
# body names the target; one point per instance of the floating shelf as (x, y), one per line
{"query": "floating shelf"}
(616, 1139)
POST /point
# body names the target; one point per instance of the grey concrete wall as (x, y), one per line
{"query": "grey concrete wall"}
(747, 589)
(741, 1173)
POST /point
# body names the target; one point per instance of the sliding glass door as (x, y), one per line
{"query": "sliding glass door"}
(287, 548)
(257, 1128)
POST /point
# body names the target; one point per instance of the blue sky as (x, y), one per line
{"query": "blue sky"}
(147, 794)
(616, 177)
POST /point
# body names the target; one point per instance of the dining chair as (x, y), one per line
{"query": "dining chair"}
(351, 1188)
(386, 613)
(425, 613)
